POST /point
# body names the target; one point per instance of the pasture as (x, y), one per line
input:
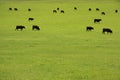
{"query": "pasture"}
(61, 49)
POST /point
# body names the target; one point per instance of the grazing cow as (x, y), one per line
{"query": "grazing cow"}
(10, 8)
(20, 27)
(107, 30)
(35, 27)
(89, 9)
(29, 9)
(75, 8)
(103, 13)
(97, 9)
(30, 19)
(62, 11)
(116, 11)
(89, 28)
(58, 8)
(97, 20)
(15, 9)
(54, 11)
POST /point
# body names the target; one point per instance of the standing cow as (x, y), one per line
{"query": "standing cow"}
(89, 28)
(15, 9)
(97, 20)
(58, 8)
(89, 9)
(75, 8)
(54, 11)
(97, 9)
(10, 9)
(116, 11)
(35, 27)
(103, 13)
(29, 9)
(62, 11)
(20, 27)
(30, 19)
(107, 30)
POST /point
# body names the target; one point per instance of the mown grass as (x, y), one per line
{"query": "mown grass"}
(62, 49)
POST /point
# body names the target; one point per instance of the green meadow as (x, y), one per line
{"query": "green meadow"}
(62, 49)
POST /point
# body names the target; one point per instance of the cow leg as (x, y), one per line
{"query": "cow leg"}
(21, 29)
(32, 28)
(103, 32)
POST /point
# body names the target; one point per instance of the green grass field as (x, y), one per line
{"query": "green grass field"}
(62, 49)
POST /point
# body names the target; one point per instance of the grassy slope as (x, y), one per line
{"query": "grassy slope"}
(62, 50)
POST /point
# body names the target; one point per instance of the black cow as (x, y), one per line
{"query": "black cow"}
(89, 28)
(107, 30)
(10, 8)
(97, 20)
(58, 8)
(20, 27)
(116, 11)
(35, 27)
(103, 13)
(29, 9)
(89, 9)
(75, 8)
(30, 19)
(62, 11)
(97, 9)
(15, 9)
(54, 11)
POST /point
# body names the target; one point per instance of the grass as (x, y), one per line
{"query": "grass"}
(62, 50)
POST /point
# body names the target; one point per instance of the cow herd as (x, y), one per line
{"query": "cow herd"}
(21, 27)
(16, 9)
(75, 8)
(61, 10)
(58, 10)
(104, 30)
(103, 13)
(88, 28)
(98, 20)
